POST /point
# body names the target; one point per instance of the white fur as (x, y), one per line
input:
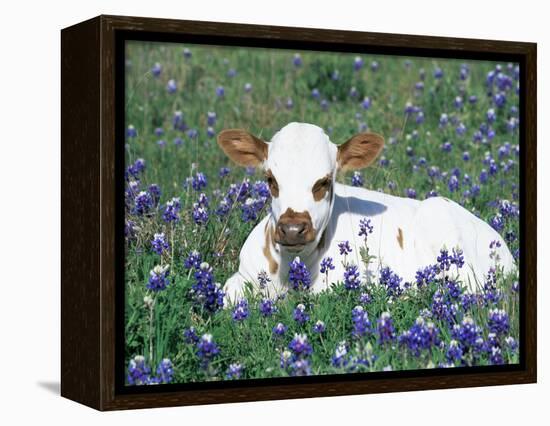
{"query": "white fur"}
(300, 154)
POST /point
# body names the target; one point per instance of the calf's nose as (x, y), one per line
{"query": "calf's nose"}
(292, 233)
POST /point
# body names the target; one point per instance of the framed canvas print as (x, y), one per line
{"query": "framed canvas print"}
(253, 212)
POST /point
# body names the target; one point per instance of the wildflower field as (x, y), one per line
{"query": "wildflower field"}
(451, 129)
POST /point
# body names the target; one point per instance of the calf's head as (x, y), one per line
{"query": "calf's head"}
(300, 164)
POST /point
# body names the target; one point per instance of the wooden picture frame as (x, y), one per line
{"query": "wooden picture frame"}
(91, 176)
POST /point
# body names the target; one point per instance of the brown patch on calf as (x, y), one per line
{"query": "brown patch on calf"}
(400, 237)
(242, 147)
(272, 183)
(359, 151)
(273, 265)
(321, 187)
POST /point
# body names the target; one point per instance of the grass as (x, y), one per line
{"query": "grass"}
(155, 330)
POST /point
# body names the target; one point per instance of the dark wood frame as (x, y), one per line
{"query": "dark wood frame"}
(89, 172)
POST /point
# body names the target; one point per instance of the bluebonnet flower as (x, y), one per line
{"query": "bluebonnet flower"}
(211, 118)
(351, 277)
(467, 300)
(289, 103)
(143, 203)
(499, 99)
(357, 179)
(365, 227)
(324, 104)
(391, 281)
(267, 307)
(467, 333)
(251, 208)
(165, 371)
(200, 214)
(340, 358)
(280, 329)
(231, 72)
(234, 371)
(447, 146)
(365, 298)
(374, 65)
(156, 69)
(361, 323)
(366, 103)
(159, 131)
(511, 343)
(158, 278)
(300, 315)
(443, 120)
(453, 183)
(131, 131)
(298, 275)
(460, 129)
(497, 222)
(187, 53)
(240, 312)
(177, 121)
(319, 327)
(453, 288)
(358, 63)
(344, 248)
(220, 91)
(326, 265)
(205, 291)
(263, 279)
(300, 346)
(335, 75)
(441, 307)
(171, 210)
(247, 87)
(499, 322)
(297, 60)
(139, 373)
(438, 73)
(199, 181)
(515, 286)
(190, 335)
(193, 260)
(130, 229)
(224, 171)
(159, 243)
(178, 141)
(419, 86)
(472, 99)
(207, 349)
(300, 367)
(161, 143)
(154, 191)
(171, 86)
(315, 93)
(458, 102)
(421, 336)
(286, 359)
(224, 207)
(495, 355)
(411, 193)
(426, 276)
(385, 329)
(454, 352)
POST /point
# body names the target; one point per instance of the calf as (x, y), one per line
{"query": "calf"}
(311, 214)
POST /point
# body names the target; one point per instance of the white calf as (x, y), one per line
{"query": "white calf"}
(311, 214)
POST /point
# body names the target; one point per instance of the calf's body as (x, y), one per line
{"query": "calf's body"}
(311, 214)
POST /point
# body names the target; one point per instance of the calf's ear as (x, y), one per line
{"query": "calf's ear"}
(242, 147)
(359, 151)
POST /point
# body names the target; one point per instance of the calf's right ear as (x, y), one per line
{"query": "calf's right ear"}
(242, 147)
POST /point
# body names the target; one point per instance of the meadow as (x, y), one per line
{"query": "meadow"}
(451, 129)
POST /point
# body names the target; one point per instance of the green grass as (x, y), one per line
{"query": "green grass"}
(157, 333)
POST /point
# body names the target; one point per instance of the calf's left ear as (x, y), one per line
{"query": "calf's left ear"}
(242, 147)
(359, 151)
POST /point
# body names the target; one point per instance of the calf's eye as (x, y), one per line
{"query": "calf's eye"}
(321, 187)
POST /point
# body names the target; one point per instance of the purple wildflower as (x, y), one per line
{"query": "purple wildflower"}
(158, 278)
(300, 315)
(298, 275)
(159, 243)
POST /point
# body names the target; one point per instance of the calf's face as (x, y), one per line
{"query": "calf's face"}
(300, 165)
